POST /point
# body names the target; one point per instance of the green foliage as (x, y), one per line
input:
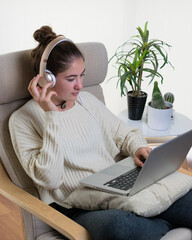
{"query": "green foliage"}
(169, 97)
(140, 62)
(157, 100)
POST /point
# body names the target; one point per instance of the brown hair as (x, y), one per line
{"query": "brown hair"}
(62, 55)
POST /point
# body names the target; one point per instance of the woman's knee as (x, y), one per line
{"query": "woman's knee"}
(116, 225)
(120, 225)
(126, 225)
(180, 213)
(106, 224)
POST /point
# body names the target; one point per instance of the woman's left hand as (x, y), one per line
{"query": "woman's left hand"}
(140, 155)
(42, 96)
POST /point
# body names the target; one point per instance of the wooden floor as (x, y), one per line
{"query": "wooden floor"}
(10, 220)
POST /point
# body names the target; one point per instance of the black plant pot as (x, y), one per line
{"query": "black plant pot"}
(136, 105)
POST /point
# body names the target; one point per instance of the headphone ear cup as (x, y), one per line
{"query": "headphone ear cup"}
(50, 77)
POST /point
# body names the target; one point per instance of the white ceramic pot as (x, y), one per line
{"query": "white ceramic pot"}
(159, 119)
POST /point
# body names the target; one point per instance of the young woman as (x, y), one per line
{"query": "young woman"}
(58, 142)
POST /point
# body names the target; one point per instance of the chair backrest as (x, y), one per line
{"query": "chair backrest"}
(15, 73)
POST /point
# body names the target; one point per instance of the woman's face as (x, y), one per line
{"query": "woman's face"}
(69, 83)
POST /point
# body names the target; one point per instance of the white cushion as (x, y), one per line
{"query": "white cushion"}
(178, 234)
(148, 203)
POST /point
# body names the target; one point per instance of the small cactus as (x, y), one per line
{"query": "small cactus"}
(157, 100)
(169, 97)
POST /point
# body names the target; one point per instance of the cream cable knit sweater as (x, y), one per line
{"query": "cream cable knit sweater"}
(57, 149)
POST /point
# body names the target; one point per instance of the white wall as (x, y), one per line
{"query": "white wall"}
(111, 22)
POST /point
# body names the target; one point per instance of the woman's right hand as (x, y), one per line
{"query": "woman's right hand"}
(42, 95)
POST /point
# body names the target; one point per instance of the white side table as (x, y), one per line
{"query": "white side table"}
(179, 124)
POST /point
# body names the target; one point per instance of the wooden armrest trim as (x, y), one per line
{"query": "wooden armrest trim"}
(185, 171)
(55, 219)
(159, 139)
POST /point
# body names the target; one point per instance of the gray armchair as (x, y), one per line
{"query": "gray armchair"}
(40, 220)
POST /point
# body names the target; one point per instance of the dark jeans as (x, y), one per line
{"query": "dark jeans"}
(119, 225)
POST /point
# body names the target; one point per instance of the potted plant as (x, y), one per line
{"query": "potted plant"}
(138, 59)
(159, 110)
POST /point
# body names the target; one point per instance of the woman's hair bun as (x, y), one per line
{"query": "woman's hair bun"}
(44, 35)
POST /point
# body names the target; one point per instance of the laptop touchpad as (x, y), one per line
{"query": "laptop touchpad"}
(114, 170)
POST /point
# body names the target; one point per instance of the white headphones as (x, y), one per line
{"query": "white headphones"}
(46, 75)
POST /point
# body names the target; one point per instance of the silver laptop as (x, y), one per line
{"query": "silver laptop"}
(162, 161)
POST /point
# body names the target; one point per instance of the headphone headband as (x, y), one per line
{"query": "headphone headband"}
(47, 52)
(43, 63)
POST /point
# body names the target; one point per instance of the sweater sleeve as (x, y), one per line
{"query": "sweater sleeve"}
(39, 154)
(128, 140)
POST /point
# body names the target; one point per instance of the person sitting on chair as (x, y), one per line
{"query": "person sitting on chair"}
(63, 135)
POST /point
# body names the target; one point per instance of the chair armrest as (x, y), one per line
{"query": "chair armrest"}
(158, 140)
(185, 171)
(33, 205)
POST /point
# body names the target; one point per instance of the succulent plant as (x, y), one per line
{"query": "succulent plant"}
(157, 100)
(169, 97)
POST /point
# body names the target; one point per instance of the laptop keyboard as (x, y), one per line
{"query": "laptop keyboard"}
(124, 181)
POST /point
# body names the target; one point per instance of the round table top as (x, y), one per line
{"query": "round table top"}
(179, 124)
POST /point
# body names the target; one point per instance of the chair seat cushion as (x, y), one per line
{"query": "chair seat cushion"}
(178, 234)
(148, 203)
(52, 235)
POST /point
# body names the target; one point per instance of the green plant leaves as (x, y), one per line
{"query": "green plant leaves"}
(139, 59)
(144, 34)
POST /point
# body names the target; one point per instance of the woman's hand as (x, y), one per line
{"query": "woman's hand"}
(42, 95)
(140, 155)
